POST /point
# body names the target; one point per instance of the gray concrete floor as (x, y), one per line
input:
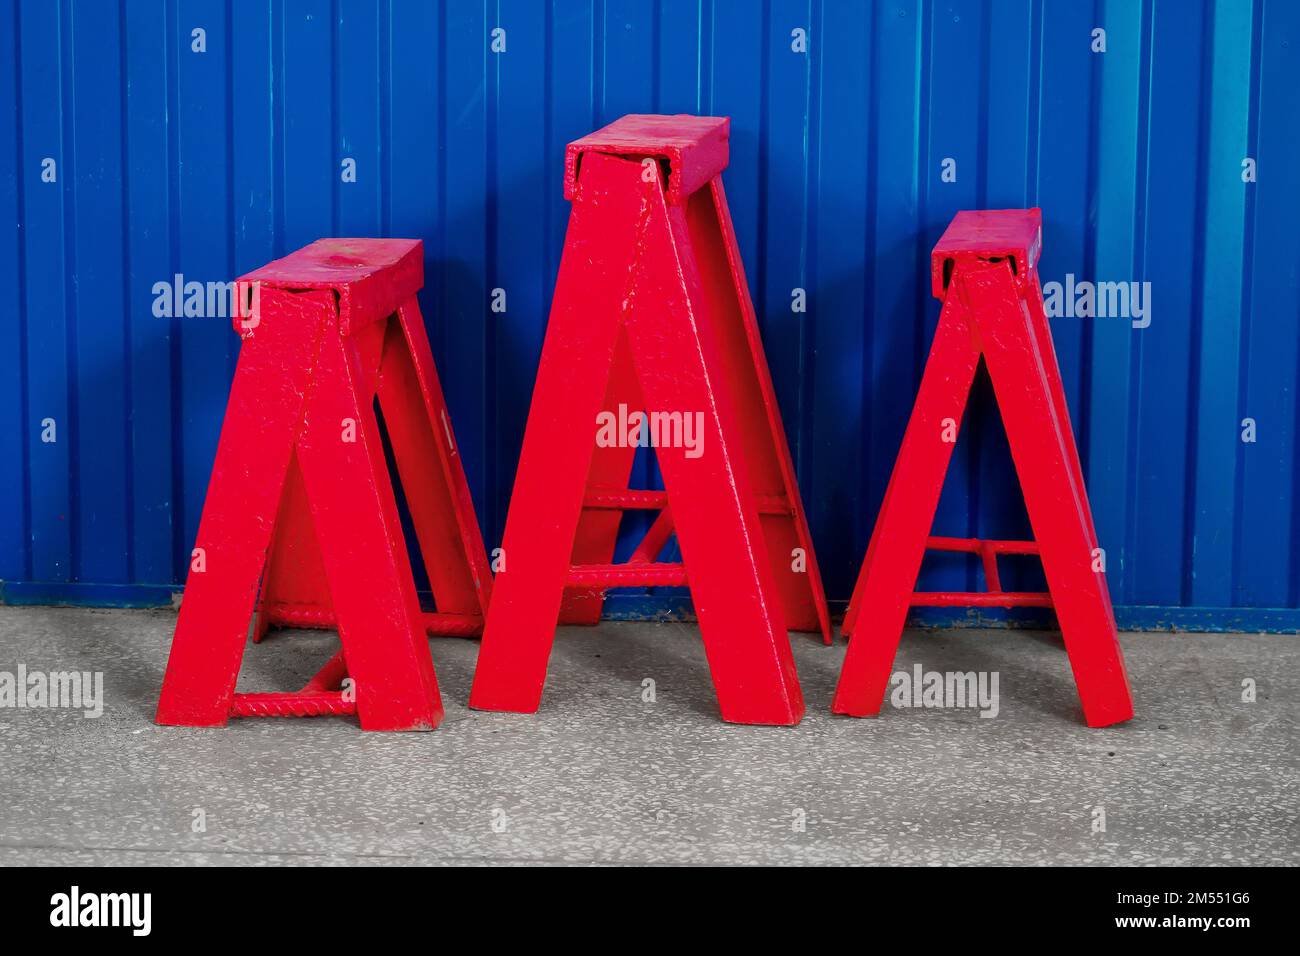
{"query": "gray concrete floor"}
(599, 775)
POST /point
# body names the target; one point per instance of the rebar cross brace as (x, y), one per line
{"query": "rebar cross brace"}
(984, 269)
(301, 474)
(651, 311)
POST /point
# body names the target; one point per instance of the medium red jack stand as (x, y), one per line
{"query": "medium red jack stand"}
(984, 271)
(300, 473)
(652, 311)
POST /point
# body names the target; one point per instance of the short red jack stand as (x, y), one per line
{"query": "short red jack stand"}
(652, 311)
(300, 473)
(984, 271)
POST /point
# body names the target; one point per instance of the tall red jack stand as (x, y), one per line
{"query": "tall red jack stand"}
(300, 516)
(652, 311)
(984, 269)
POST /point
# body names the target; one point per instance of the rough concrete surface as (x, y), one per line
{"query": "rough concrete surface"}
(600, 775)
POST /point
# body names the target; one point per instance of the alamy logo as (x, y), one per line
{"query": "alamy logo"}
(75, 908)
(181, 299)
(1101, 300)
(656, 430)
(922, 688)
(70, 690)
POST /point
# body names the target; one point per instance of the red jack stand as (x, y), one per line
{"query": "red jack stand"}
(300, 473)
(984, 271)
(652, 311)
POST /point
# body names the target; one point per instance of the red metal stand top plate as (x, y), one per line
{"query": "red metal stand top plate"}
(986, 234)
(695, 147)
(371, 276)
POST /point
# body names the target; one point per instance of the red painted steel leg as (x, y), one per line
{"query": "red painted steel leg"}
(369, 573)
(1047, 464)
(897, 546)
(764, 447)
(556, 456)
(713, 502)
(428, 462)
(257, 438)
(1042, 335)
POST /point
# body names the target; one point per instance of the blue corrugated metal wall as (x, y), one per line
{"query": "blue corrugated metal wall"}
(207, 164)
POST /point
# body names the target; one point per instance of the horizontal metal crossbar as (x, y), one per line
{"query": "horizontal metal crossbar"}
(320, 697)
(988, 551)
(436, 623)
(981, 599)
(441, 624)
(634, 499)
(628, 575)
(979, 545)
(319, 704)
